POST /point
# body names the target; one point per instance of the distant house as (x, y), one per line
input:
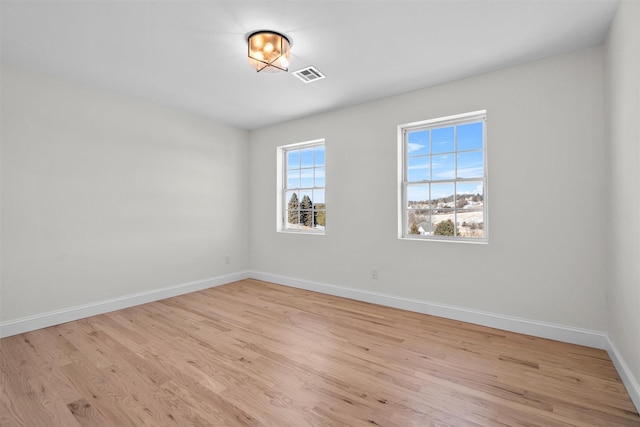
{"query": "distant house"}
(425, 228)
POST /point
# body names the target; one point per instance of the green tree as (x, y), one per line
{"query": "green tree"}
(445, 228)
(294, 209)
(413, 229)
(306, 212)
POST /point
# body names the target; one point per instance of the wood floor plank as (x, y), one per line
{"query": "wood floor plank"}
(23, 385)
(254, 353)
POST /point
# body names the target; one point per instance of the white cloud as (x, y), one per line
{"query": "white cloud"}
(412, 146)
(420, 166)
(471, 172)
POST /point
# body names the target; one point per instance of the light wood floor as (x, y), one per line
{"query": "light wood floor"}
(254, 353)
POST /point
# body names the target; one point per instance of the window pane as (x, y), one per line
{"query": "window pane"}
(442, 140)
(293, 159)
(293, 218)
(319, 156)
(293, 178)
(306, 218)
(442, 167)
(319, 177)
(417, 196)
(306, 178)
(470, 136)
(418, 169)
(472, 191)
(442, 195)
(293, 201)
(318, 199)
(470, 164)
(306, 158)
(418, 222)
(306, 194)
(442, 222)
(470, 197)
(293, 206)
(418, 143)
(321, 218)
(471, 223)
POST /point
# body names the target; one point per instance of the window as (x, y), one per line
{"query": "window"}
(302, 200)
(444, 179)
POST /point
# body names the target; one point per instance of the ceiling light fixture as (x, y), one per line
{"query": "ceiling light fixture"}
(269, 51)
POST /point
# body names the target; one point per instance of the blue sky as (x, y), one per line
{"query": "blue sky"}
(436, 154)
(445, 154)
(305, 169)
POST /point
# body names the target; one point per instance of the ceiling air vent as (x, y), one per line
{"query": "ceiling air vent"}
(309, 75)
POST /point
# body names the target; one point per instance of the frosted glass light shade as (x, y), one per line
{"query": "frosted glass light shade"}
(269, 51)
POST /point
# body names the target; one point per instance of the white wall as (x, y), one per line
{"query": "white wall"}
(547, 197)
(623, 113)
(104, 196)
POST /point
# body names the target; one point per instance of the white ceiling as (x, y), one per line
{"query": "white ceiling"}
(191, 55)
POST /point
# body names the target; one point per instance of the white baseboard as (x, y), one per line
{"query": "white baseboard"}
(570, 334)
(31, 323)
(629, 381)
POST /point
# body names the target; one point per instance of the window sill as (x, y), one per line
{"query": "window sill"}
(469, 241)
(305, 232)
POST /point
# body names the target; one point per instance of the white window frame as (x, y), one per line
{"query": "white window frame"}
(281, 199)
(453, 120)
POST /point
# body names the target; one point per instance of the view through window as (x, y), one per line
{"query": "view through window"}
(444, 178)
(304, 187)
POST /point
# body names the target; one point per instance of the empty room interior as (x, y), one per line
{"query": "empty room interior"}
(393, 213)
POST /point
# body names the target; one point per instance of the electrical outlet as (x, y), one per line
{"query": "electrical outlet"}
(374, 273)
(227, 259)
